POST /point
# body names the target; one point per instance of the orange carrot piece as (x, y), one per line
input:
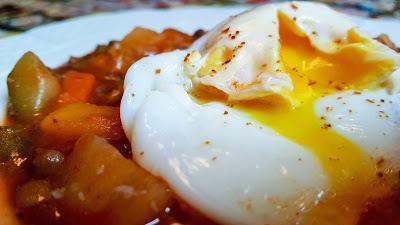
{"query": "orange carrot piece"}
(76, 87)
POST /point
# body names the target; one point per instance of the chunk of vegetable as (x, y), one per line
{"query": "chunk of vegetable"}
(72, 121)
(32, 88)
(13, 145)
(145, 40)
(76, 87)
(33, 193)
(141, 39)
(98, 179)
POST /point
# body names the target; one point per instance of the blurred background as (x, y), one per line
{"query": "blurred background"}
(21, 15)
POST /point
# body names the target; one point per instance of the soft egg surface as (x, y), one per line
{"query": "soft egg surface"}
(284, 114)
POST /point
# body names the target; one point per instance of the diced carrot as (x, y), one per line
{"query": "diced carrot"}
(76, 87)
(70, 122)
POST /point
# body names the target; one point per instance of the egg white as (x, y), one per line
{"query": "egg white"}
(370, 119)
(230, 167)
(227, 165)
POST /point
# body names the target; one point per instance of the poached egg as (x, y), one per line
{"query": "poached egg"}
(284, 114)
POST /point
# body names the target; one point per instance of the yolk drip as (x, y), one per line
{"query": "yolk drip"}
(314, 74)
(347, 167)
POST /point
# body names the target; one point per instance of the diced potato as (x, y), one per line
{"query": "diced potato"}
(98, 179)
(141, 39)
(32, 88)
(72, 121)
(145, 40)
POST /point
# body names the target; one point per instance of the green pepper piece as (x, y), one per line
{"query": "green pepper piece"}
(31, 87)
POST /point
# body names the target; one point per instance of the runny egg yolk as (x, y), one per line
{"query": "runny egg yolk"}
(314, 74)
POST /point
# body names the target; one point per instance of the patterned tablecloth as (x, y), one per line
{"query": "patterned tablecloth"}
(21, 15)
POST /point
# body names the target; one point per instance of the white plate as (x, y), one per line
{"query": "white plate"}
(56, 42)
